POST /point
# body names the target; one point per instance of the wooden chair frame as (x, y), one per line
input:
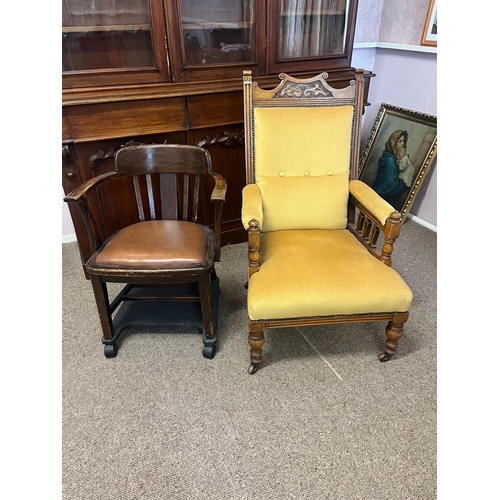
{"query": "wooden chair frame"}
(178, 169)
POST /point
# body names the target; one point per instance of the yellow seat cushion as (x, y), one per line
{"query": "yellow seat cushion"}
(303, 174)
(310, 273)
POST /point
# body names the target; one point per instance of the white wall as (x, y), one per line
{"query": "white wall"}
(68, 230)
(407, 79)
(387, 42)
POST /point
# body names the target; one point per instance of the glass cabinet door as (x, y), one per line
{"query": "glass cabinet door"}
(112, 41)
(218, 31)
(219, 36)
(311, 30)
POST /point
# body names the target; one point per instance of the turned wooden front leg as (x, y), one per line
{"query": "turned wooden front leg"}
(256, 341)
(394, 332)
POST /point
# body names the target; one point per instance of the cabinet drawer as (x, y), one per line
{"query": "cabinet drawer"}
(214, 110)
(66, 130)
(122, 119)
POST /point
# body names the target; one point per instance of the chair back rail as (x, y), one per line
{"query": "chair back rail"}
(179, 169)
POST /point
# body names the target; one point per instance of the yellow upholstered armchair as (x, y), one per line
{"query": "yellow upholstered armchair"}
(312, 226)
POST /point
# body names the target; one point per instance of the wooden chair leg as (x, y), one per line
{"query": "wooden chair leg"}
(256, 341)
(394, 332)
(102, 300)
(209, 339)
(206, 306)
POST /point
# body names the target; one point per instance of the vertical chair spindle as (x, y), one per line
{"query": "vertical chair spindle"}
(185, 198)
(151, 198)
(138, 198)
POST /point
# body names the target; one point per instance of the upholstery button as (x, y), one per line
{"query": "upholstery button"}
(306, 174)
(282, 174)
(330, 172)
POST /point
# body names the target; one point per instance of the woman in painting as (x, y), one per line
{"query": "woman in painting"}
(390, 181)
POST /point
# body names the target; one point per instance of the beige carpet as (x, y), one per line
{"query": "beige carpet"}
(322, 418)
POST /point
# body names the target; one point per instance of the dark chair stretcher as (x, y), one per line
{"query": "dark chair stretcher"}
(172, 307)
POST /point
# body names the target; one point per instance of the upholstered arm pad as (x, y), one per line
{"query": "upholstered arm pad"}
(378, 207)
(251, 205)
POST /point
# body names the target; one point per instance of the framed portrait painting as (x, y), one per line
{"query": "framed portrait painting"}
(429, 36)
(399, 152)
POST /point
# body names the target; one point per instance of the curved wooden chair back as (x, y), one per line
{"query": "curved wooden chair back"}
(179, 169)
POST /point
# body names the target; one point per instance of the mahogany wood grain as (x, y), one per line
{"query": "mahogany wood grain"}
(124, 119)
(66, 128)
(217, 110)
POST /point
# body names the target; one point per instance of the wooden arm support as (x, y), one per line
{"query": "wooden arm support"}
(218, 197)
(367, 229)
(219, 191)
(79, 196)
(253, 247)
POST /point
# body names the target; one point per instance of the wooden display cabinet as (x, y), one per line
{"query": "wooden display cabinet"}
(150, 71)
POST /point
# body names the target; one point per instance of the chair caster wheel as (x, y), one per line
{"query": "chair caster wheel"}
(384, 357)
(209, 351)
(252, 369)
(110, 350)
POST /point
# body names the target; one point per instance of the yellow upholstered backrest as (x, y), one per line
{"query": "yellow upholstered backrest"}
(301, 163)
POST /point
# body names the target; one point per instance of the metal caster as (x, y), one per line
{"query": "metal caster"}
(209, 351)
(384, 357)
(252, 369)
(110, 350)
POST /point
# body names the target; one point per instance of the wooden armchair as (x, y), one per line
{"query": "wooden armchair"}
(312, 226)
(166, 258)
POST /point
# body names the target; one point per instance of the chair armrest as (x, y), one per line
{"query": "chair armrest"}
(375, 215)
(218, 197)
(81, 191)
(220, 188)
(369, 199)
(79, 196)
(251, 207)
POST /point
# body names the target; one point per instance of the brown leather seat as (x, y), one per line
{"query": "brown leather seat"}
(159, 244)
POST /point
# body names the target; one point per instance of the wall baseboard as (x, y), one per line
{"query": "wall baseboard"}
(423, 222)
(395, 46)
(69, 239)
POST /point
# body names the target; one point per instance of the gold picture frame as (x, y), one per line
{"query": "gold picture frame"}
(398, 155)
(429, 36)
